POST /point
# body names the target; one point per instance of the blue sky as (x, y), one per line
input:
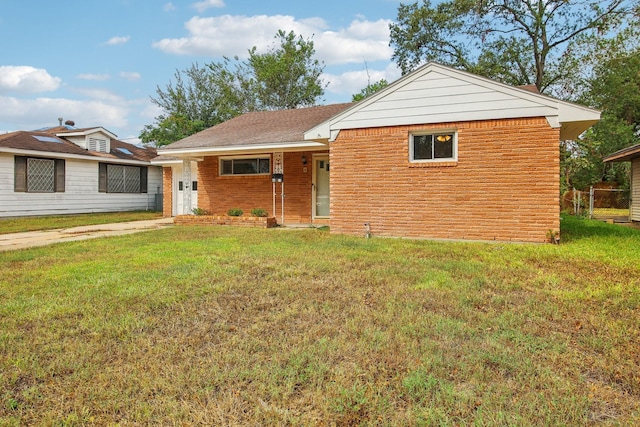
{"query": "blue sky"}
(98, 62)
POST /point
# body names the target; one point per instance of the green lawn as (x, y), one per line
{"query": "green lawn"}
(226, 326)
(18, 225)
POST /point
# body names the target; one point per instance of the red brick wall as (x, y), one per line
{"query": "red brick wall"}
(220, 193)
(504, 186)
(167, 192)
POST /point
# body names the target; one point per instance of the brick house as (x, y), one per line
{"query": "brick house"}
(440, 153)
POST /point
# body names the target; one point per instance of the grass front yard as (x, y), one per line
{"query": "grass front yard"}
(226, 326)
(22, 224)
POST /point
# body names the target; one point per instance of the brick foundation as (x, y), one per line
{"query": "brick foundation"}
(236, 221)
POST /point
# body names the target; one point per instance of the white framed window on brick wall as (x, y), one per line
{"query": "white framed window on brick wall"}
(433, 147)
(245, 165)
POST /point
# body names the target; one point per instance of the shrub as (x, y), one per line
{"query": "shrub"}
(259, 212)
(235, 212)
(200, 211)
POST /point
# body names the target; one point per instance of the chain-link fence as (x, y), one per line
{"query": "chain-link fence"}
(609, 204)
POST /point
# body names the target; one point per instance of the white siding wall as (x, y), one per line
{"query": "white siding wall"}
(80, 196)
(78, 140)
(445, 96)
(635, 190)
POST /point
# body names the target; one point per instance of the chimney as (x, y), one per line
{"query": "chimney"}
(60, 121)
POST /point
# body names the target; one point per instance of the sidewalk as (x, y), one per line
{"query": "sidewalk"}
(31, 239)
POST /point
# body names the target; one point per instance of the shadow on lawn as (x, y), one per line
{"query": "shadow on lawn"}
(574, 229)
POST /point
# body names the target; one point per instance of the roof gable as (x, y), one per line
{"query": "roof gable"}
(437, 94)
(83, 132)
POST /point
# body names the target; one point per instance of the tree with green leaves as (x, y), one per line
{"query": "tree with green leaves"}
(369, 90)
(286, 76)
(614, 88)
(517, 42)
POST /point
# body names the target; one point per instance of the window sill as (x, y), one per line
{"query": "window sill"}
(449, 164)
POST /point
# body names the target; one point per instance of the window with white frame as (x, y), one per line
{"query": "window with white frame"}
(245, 166)
(433, 147)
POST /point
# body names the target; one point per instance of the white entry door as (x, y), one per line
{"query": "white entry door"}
(321, 186)
(179, 188)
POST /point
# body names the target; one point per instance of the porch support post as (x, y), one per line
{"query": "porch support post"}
(186, 182)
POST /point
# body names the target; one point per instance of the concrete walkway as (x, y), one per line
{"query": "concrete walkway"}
(31, 239)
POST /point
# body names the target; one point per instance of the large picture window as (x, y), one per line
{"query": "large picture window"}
(433, 147)
(245, 166)
(39, 175)
(122, 178)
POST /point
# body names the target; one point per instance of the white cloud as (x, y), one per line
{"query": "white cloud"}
(234, 35)
(361, 41)
(201, 6)
(99, 94)
(26, 79)
(352, 82)
(168, 7)
(130, 76)
(118, 40)
(94, 77)
(150, 112)
(29, 114)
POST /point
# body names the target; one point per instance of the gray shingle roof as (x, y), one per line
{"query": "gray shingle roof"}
(261, 127)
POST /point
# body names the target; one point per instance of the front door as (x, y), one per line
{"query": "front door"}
(179, 188)
(321, 186)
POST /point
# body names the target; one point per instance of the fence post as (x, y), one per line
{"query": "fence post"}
(591, 193)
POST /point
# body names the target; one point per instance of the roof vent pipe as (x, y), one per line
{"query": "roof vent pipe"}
(60, 121)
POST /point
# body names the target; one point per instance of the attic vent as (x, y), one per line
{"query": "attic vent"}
(96, 144)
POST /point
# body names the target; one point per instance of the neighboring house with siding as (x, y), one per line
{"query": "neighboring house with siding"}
(66, 170)
(631, 154)
(440, 153)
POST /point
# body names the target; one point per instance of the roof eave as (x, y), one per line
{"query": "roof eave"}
(57, 155)
(625, 155)
(243, 149)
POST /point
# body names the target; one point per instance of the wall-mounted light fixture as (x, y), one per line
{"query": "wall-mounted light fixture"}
(304, 160)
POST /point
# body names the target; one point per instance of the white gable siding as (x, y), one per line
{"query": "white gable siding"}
(81, 193)
(437, 97)
(635, 190)
(439, 94)
(80, 141)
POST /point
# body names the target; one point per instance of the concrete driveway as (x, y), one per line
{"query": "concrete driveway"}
(31, 239)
